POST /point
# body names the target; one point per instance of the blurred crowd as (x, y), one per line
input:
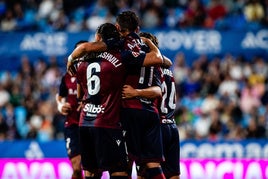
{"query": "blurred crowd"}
(28, 106)
(218, 98)
(222, 98)
(81, 15)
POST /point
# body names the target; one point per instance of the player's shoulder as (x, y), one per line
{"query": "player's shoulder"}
(132, 37)
(66, 76)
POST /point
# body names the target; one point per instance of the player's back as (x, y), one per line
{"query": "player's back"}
(102, 81)
(168, 102)
(139, 77)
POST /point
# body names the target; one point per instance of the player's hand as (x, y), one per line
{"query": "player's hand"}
(71, 69)
(66, 108)
(128, 92)
(146, 40)
(72, 65)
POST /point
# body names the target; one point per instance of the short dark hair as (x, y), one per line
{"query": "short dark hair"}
(150, 36)
(80, 42)
(128, 21)
(108, 31)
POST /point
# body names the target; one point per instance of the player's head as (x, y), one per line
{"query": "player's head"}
(74, 66)
(127, 21)
(150, 36)
(79, 43)
(154, 39)
(107, 31)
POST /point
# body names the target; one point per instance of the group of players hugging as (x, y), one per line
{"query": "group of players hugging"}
(118, 95)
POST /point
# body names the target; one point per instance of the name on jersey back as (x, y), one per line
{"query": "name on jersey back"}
(111, 58)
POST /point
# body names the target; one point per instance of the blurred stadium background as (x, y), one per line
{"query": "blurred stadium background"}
(219, 49)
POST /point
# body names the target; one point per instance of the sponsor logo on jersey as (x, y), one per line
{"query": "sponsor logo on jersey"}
(72, 91)
(168, 121)
(93, 110)
(146, 101)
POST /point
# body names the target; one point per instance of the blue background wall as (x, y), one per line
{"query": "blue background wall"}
(192, 42)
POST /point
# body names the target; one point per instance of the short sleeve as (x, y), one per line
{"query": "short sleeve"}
(63, 91)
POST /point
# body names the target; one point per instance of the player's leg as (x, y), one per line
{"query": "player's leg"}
(171, 142)
(132, 134)
(154, 171)
(111, 152)
(152, 154)
(76, 165)
(88, 153)
(71, 134)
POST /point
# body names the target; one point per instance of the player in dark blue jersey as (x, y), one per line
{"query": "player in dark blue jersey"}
(140, 117)
(170, 133)
(67, 105)
(167, 105)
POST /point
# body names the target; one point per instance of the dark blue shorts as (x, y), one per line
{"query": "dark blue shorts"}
(143, 135)
(71, 136)
(103, 149)
(171, 146)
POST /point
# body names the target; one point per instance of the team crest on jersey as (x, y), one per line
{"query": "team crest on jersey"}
(135, 54)
(73, 79)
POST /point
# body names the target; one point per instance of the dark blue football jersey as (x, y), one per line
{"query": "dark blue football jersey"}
(168, 102)
(140, 77)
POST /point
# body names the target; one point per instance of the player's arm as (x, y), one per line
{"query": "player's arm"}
(154, 57)
(87, 47)
(63, 106)
(83, 49)
(152, 92)
(166, 62)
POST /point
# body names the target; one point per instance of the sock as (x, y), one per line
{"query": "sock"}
(155, 173)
